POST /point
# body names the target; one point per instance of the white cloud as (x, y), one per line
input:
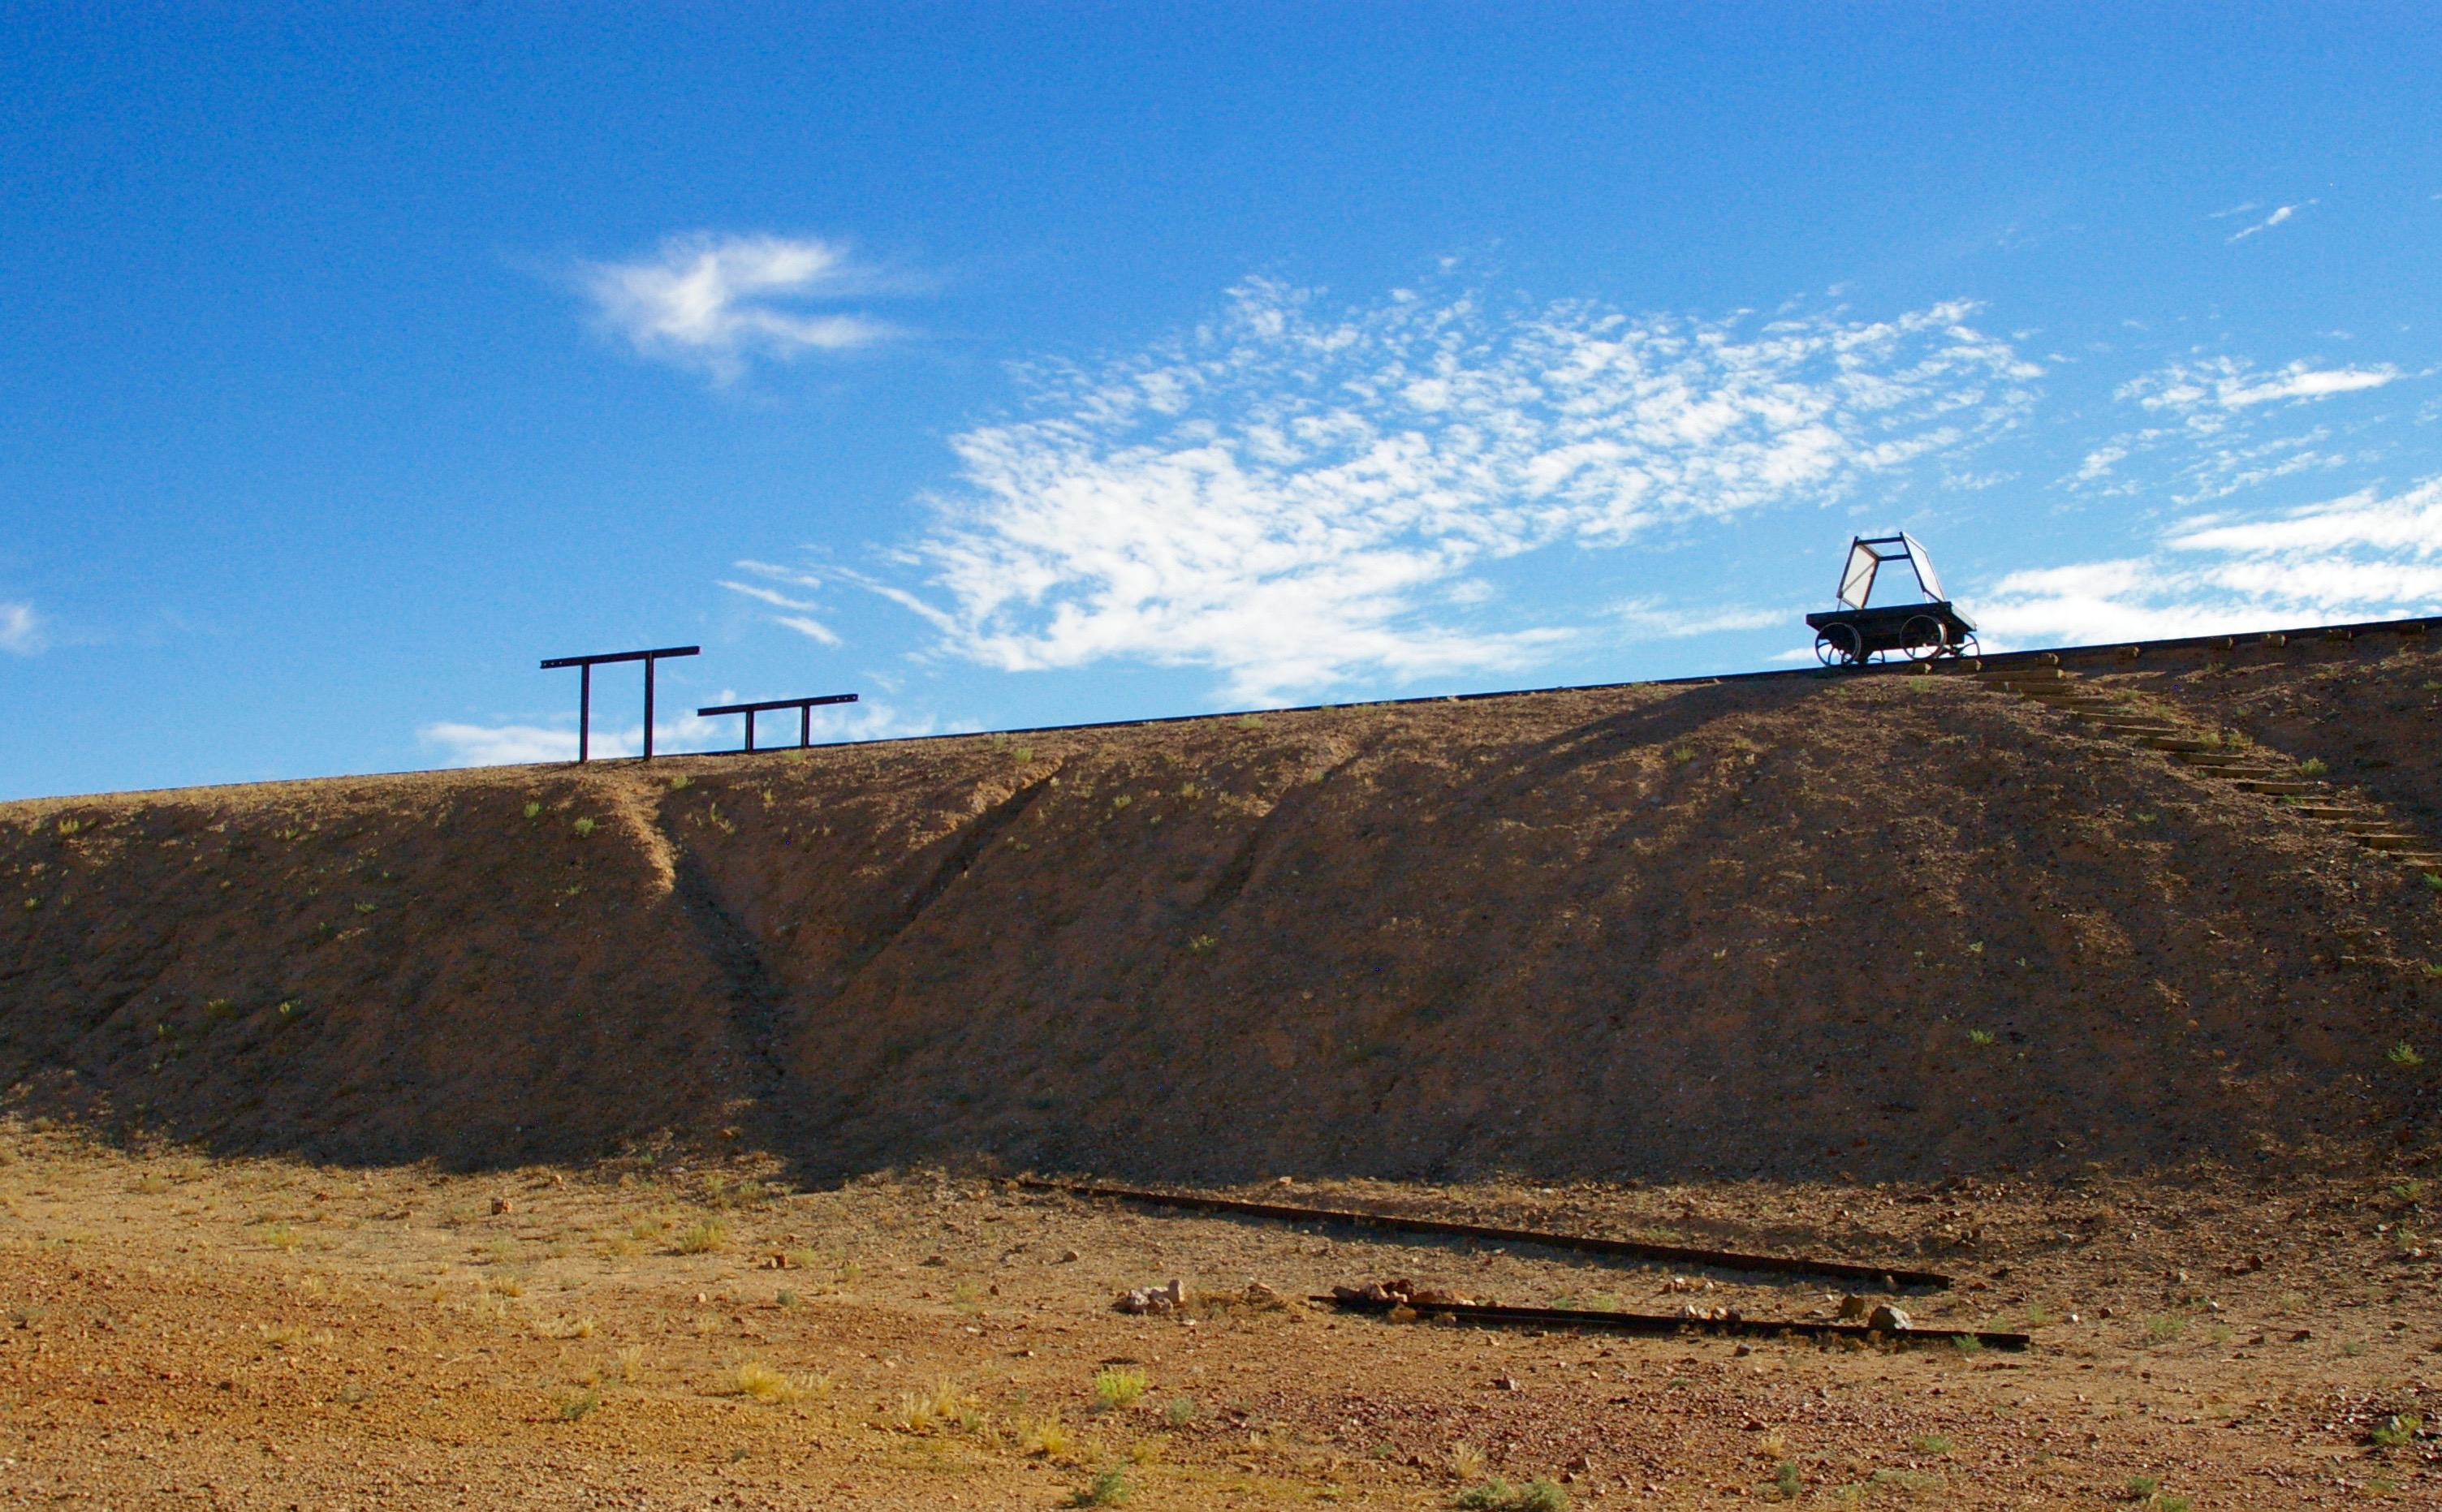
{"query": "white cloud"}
(2226, 384)
(21, 629)
(2284, 213)
(2358, 557)
(2213, 437)
(493, 745)
(1294, 497)
(503, 745)
(801, 618)
(710, 302)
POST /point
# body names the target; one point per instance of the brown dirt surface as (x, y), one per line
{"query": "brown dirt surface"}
(1902, 967)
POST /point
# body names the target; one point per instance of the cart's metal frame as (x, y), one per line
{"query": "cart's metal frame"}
(1854, 634)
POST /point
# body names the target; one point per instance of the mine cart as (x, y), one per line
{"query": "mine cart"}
(1853, 634)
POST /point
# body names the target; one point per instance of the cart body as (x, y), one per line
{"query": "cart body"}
(1854, 633)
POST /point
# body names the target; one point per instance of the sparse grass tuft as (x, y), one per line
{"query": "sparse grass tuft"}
(1118, 1388)
(1936, 1444)
(1497, 1495)
(1682, 754)
(1047, 1437)
(1180, 1411)
(1467, 1461)
(281, 1236)
(762, 1382)
(2163, 1327)
(2313, 767)
(631, 1364)
(1201, 944)
(533, 810)
(583, 827)
(1109, 1489)
(1980, 1036)
(708, 1237)
(681, 782)
(1784, 1480)
(2398, 1430)
(1967, 1345)
(2404, 1054)
(2143, 1486)
(574, 1405)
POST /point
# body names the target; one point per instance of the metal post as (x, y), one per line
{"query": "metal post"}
(750, 732)
(649, 707)
(584, 710)
(805, 724)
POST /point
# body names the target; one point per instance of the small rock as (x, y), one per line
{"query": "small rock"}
(1257, 1291)
(1069, 1257)
(2301, 1335)
(1889, 1320)
(1506, 1383)
(1852, 1308)
(502, 1205)
(935, 1260)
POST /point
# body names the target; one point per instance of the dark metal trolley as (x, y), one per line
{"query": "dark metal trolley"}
(1853, 634)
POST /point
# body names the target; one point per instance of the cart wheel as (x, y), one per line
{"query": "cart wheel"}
(1967, 645)
(1838, 644)
(1921, 638)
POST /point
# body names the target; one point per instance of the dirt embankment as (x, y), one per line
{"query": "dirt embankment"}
(1880, 925)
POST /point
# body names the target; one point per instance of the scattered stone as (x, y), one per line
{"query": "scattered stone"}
(1889, 1320)
(935, 1260)
(502, 1205)
(1153, 1299)
(1853, 1307)
(1069, 1257)
(1506, 1383)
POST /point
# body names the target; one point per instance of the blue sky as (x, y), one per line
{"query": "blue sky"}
(1037, 364)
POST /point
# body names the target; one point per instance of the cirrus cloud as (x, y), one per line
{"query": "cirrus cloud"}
(1295, 499)
(21, 629)
(710, 303)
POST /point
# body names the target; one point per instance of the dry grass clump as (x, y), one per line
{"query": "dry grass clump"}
(941, 1406)
(766, 1383)
(628, 1364)
(708, 1237)
(1046, 1438)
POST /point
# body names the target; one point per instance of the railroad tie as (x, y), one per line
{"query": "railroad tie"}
(2249, 769)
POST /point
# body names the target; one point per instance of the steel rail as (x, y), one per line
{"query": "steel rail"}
(1890, 1276)
(1661, 1324)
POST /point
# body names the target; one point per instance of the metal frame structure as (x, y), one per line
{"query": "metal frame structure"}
(805, 708)
(1854, 634)
(585, 665)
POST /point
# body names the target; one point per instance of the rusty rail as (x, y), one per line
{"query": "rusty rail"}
(1664, 1324)
(1890, 1276)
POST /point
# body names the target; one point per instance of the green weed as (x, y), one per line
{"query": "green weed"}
(1497, 1495)
(1784, 1480)
(708, 1237)
(2398, 1430)
(2404, 1054)
(1180, 1411)
(2143, 1486)
(2313, 767)
(681, 782)
(583, 827)
(534, 810)
(1201, 945)
(1118, 1388)
(1109, 1489)
(2163, 1327)
(1932, 1444)
(574, 1405)
(1980, 1036)
(1682, 754)
(1967, 1345)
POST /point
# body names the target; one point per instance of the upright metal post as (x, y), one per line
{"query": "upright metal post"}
(805, 724)
(585, 665)
(648, 706)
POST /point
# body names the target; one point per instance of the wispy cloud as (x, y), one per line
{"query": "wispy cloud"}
(2225, 384)
(2277, 217)
(2215, 434)
(21, 629)
(1295, 497)
(802, 610)
(2360, 556)
(710, 303)
(514, 744)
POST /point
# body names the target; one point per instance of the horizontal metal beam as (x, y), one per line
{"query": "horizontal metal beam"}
(1584, 1244)
(1663, 1324)
(778, 703)
(622, 656)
